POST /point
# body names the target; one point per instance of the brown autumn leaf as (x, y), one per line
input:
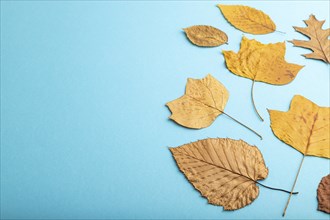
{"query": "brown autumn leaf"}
(247, 19)
(223, 170)
(204, 100)
(318, 41)
(206, 36)
(305, 127)
(261, 62)
(323, 194)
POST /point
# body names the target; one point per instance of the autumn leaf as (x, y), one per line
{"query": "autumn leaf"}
(206, 36)
(323, 194)
(261, 62)
(318, 41)
(305, 127)
(247, 19)
(204, 100)
(224, 171)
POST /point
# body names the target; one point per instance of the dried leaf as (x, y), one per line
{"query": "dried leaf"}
(206, 36)
(305, 127)
(319, 41)
(247, 19)
(204, 100)
(223, 170)
(261, 62)
(323, 194)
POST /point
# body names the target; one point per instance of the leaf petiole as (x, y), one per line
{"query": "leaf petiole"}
(254, 106)
(243, 124)
(283, 190)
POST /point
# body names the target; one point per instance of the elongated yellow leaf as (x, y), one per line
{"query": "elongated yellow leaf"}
(247, 19)
(319, 41)
(224, 171)
(206, 36)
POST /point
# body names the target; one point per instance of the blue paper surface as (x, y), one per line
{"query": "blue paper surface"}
(84, 127)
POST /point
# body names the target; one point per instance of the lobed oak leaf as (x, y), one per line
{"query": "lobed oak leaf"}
(318, 41)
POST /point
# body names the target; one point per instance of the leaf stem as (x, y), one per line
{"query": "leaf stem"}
(282, 32)
(254, 106)
(294, 184)
(283, 190)
(243, 125)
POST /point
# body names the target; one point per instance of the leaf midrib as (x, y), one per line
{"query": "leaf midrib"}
(240, 174)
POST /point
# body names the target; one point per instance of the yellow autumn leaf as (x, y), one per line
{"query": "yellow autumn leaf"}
(224, 171)
(305, 127)
(318, 41)
(247, 19)
(206, 36)
(204, 100)
(261, 62)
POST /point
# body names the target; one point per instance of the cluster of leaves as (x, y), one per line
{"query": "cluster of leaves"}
(227, 171)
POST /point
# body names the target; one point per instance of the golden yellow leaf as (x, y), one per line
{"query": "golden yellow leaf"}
(261, 62)
(204, 100)
(247, 19)
(206, 36)
(224, 171)
(305, 127)
(319, 41)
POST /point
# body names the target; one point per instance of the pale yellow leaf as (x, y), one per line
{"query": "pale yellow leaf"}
(223, 170)
(204, 100)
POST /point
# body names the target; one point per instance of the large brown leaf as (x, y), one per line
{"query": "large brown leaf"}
(223, 170)
(261, 62)
(305, 127)
(318, 41)
(323, 194)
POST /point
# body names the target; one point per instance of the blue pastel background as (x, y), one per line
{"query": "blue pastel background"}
(84, 127)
